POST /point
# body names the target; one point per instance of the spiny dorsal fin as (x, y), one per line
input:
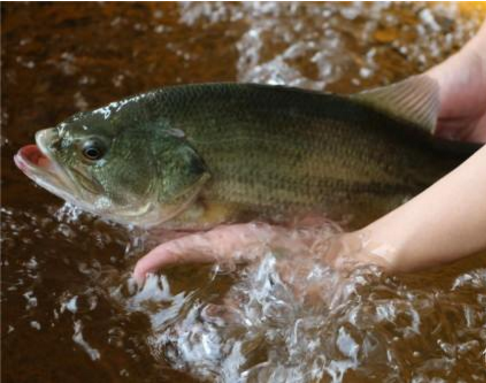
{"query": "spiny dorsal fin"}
(415, 100)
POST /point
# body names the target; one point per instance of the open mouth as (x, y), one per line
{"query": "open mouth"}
(30, 158)
(37, 164)
(35, 160)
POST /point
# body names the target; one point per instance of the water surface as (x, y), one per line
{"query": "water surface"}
(69, 311)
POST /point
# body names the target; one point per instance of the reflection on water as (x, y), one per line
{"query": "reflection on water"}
(70, 310)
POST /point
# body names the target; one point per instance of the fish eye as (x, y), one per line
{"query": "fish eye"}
(93, 150)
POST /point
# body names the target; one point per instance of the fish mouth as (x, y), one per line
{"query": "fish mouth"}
(37, 163)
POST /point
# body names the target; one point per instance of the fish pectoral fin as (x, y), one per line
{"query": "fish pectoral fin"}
(415, 100)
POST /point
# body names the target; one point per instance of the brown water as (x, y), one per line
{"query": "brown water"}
(69, 310)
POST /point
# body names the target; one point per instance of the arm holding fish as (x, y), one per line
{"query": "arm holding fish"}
(448, 220)
(444, 223)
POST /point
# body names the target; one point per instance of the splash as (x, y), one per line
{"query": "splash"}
(337, 46)
(300, 320)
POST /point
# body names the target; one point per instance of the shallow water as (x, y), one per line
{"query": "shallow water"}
(70, 312)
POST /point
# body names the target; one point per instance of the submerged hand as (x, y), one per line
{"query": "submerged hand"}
(235, 243)
(248, 242)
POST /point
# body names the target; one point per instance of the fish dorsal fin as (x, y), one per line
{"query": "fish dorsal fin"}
(415, 100)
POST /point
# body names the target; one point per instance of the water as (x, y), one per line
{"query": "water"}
(70, 311)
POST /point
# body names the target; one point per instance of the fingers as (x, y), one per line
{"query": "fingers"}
(171, 253)
(234, 242)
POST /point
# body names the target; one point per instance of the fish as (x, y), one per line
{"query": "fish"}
(191, 157)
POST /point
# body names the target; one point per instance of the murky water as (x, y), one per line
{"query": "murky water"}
(69, 310)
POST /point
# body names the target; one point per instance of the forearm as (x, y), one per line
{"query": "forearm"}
(442, 224)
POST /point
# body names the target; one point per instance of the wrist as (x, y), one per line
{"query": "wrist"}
(385, 244)
(368, 248)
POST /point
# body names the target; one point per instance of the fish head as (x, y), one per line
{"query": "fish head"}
(125, 168)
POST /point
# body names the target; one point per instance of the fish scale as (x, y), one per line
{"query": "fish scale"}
(313, 156)
(194, 156)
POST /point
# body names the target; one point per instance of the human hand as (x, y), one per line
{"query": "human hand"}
(248, 242)
(462, 82)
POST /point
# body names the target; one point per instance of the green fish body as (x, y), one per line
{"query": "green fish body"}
(191, 157)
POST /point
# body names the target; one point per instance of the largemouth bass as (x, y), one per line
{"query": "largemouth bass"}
(194, 156)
